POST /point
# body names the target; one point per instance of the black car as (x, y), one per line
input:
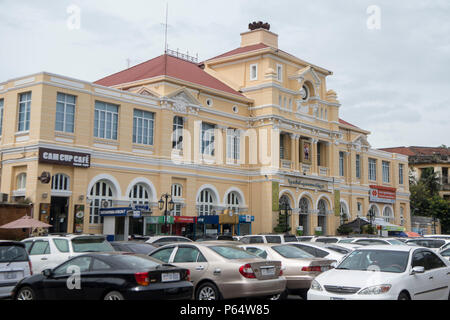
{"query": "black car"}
(135, 247)
(108, 276)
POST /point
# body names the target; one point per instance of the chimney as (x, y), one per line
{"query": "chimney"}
(259, 33)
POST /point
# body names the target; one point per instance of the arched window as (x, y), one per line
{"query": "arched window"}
(205, 203)
(373, 211)
(101, 196)
(233, 202)
(388, 215)
(60, 182)
(139, 194)
(304, 206)
(21, 181)
(322, 206)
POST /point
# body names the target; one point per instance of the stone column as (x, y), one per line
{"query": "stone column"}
(292, 151)
(314, 166)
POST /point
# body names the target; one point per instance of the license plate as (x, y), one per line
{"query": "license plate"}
(167, 277)
(10, 275)
(268, 271)
(336, 298)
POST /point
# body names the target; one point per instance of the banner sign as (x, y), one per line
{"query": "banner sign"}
(308, 183)
(65, 158)
(337, 203)
(247, 218)
(382, 194)
(180, 219)
(79, 218)
(114, 212)
(275, 196)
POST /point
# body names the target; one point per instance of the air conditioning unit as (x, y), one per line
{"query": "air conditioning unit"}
(3, 197)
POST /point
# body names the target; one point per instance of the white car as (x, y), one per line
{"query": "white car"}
(327, 239)
(162, 240)
(50, 251)
(323, 250)
(445, 253)
(268, 238)
(432, 243)
(437, 236)
(385, 272)
(371, 241)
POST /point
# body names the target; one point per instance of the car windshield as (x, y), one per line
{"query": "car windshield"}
(12, 253)
(232, 252)
(395, 242)
(89, 244)
(136, 261)
(376, 260)
(339, 249)
(291, 252)
(346, 240)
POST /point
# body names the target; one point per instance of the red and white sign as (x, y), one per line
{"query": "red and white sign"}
(382, 194)
(184, 219)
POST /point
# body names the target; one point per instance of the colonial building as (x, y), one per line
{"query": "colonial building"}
(229, 138)
(422, 158)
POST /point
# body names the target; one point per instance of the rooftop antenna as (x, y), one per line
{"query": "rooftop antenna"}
(166, 26)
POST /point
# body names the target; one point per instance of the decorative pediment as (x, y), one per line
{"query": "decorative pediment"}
(183, 101)
(304, 74)
(360, 142)
(147, 92)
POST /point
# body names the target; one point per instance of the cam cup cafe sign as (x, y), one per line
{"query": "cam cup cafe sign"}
(64, 158)
(382, 194)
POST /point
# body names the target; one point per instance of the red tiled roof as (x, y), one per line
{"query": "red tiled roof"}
(169, 66)
(241, 50)
(347, 123)
(418, 151)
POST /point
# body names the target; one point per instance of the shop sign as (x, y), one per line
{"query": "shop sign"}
(137, 213)
(208, 219)
(247, 218)
(114, 212)
(308, 183)
(65, 158)
(179, 219)
(382, 194)
(141, 207)
(79, 218)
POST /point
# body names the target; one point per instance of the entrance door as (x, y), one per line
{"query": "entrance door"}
(303, 221)
(136, 226)
(59, 212)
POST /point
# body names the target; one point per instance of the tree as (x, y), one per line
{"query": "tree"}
(283, 224)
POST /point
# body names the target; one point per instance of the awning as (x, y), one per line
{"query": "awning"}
(388, 226)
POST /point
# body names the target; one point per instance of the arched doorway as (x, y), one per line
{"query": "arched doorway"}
(322, 207)
(305, 207)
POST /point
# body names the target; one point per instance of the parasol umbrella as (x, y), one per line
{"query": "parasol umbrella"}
(26, 222)
(413, 235)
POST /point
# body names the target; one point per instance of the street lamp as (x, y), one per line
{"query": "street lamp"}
(286, 210)
(371, 215)
(166, 203)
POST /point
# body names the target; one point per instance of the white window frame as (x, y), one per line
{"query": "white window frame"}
(233, 202)
(389, 218)
(233, 144)
(21, 181)
(279, 72)
(24, 112)
(96, 200)
(386, 169)
(177, 190)
(60, 182)
(358, 166)
(207, 139)
(341, 163)
(205, 203)
(143, 127)
(254, 72)
(401, 177)
(139, 194)
(177, 133)
(66, 121)
(372, 169)
(101, 117)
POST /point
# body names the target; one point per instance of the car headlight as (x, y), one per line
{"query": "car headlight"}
(315, 286)
(380, 289)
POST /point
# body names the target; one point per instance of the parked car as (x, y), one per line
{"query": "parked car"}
(14, 266)
(327, 239)
(162, 240)
(385, 272)
(304, 238)
(372, 241)
(108, 276)
(437, 236)
(445, 253)
(222, 270)
(133, 246)
(432, 243)
(268, 238)
(323, 250)
(49, 251)
(299, 267)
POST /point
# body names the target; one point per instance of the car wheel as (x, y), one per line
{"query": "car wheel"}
(207, 291)
(114, 295)
(403, 296)
(25, 293)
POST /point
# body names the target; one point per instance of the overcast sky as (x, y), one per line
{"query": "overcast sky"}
(393, 81)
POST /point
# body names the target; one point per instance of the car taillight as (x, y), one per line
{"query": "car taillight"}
(188, 275)
(31, 267)
(247, 271)
(142, 278)
(312, 269)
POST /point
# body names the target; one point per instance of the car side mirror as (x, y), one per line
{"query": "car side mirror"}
(417, 270)
(47, 273)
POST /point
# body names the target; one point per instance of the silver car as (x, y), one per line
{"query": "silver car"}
(14, 266)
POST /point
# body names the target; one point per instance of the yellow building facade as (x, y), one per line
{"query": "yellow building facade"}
(228, 138)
